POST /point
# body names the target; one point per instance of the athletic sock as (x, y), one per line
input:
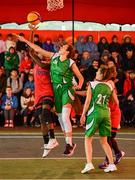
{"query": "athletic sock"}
(68, 140)
(46, 138)
(51, 133)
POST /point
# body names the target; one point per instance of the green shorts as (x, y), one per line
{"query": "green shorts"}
(98, 121)
(63, 95)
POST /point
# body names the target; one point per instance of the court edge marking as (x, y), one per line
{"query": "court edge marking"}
(57, 133)
(64, 158)
(59, 137)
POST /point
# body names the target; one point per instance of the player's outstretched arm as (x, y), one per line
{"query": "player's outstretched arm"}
(36, 47)
(78, 75)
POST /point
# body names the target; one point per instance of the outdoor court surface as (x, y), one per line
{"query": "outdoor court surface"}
(20, 156)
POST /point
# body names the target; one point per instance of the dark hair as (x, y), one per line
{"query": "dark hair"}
(24, 92)
(36, 35)
(12, 48)
(114, 36)
(87, 38)
(71, 51)
(9, 35)
(30, 75)
(21, 34)
(8, 87)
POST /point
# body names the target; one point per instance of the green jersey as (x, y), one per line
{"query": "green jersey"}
(61, 72)
(98, 115)
(101, 92)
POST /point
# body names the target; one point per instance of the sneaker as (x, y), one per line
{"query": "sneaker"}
(119, 156)
(11, 125)
(104, 165)
(25, 125)
(110, 168)
(52, 144)
(46, 151)
(6, 125)
(88, 167)
(31, 124)
(69, 151)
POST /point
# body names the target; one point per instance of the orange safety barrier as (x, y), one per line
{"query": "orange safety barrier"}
(53, 34)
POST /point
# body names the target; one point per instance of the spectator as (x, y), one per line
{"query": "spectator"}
(37, 41)
(128, 62)
(25, 65)
(129, 83)
(128, 107)
(48, 45)
(30, 83)
(103, 45)
(77, 58)
(92, 47)
(86, 59)
(90, 73)
(15, 82)
(9, 105)
(80, 44)
(104, 57)
(11, 60)
(114, 45)
(10, 42)
(21, 45)
(27, 105)
(116, 57)
(126, 45)
(2, 50)
(59, 43)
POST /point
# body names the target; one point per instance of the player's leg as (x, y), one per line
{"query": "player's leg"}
(44, 131)
(6, 117)
(88, 151)
(67, 101)
(105, 163)
(47, 119)
(111, 167)
(104, 132)
(70, 146)
(118, 153)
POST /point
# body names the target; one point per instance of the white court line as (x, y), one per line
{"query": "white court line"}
(59, 133)
(61, 158)
(59, 137)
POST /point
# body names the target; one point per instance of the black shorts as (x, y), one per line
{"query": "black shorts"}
(44, 101)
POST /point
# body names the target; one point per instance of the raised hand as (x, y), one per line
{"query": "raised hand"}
(32, 27)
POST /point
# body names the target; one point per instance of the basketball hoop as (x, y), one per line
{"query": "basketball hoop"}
(53, 5)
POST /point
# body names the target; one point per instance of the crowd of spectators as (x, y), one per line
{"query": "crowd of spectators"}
(17, 81)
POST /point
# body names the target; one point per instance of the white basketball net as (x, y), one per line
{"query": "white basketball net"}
(53, 5)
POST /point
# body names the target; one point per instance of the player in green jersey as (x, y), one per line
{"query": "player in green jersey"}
(98, 115)
(62, 70)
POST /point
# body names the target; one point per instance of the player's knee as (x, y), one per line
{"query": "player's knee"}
(66, 119)
(46, 117)
(103, 141)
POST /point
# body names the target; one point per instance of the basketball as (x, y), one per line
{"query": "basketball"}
(33, 18)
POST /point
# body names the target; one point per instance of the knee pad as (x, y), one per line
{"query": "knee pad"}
(66, 119)
(60, 121)
(46, 116)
